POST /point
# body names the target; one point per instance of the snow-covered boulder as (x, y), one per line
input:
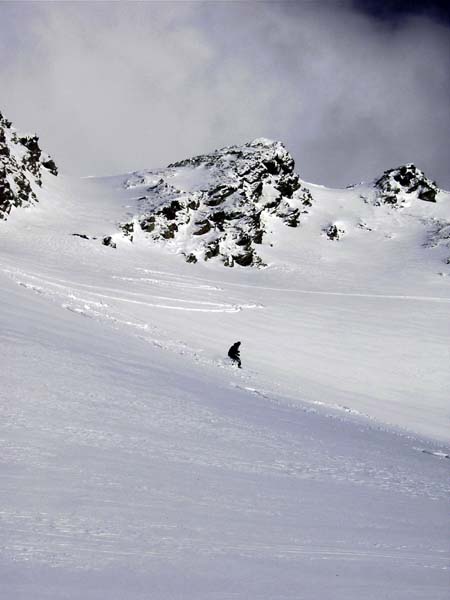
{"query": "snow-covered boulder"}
(220, 205)
(21, 166)
(401, 185)
(334, 231)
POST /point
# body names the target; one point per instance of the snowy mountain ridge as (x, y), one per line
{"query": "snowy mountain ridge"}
(232, 206)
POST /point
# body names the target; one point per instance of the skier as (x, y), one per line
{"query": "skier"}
(234, 354)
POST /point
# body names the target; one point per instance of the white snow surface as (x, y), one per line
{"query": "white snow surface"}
(137, 463)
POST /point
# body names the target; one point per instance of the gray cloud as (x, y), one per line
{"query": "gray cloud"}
(112, 87)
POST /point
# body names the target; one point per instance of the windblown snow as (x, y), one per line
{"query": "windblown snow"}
(138, 463)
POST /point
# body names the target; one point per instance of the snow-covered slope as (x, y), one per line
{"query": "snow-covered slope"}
(137, 463)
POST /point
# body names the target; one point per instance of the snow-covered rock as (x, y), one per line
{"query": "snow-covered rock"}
(21, 166)
(401, 185)
(220, 205)
(334, 232)
(228, 205)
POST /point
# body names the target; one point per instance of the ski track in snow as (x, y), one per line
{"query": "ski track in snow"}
(438, 454)
(69, 287)
(312, 292)
(93, 302)
(170, 283)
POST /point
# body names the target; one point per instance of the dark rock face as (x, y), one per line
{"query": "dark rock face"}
(228, 206)
(398, 186)
(21, 165)
(49, 164)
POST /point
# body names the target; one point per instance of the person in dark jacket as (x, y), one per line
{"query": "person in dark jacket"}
(234, 354)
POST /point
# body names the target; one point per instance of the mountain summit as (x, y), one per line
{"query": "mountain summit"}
(401, 185)
(220, 204)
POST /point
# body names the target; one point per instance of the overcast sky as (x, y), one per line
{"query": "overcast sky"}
(350, 88)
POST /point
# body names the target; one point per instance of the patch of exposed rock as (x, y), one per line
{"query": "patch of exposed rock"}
(399, 186)
(222, 205)
(334, 232)
(21, 166)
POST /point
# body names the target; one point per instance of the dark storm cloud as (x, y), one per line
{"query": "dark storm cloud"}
(119, 86)
(395, 11)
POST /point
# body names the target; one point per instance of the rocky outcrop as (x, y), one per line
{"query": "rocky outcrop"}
(222, 205)
(21, 166)
(334, 232)
(399, 186)
(108, 241)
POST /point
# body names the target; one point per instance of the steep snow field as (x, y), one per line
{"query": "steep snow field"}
(137, 463)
